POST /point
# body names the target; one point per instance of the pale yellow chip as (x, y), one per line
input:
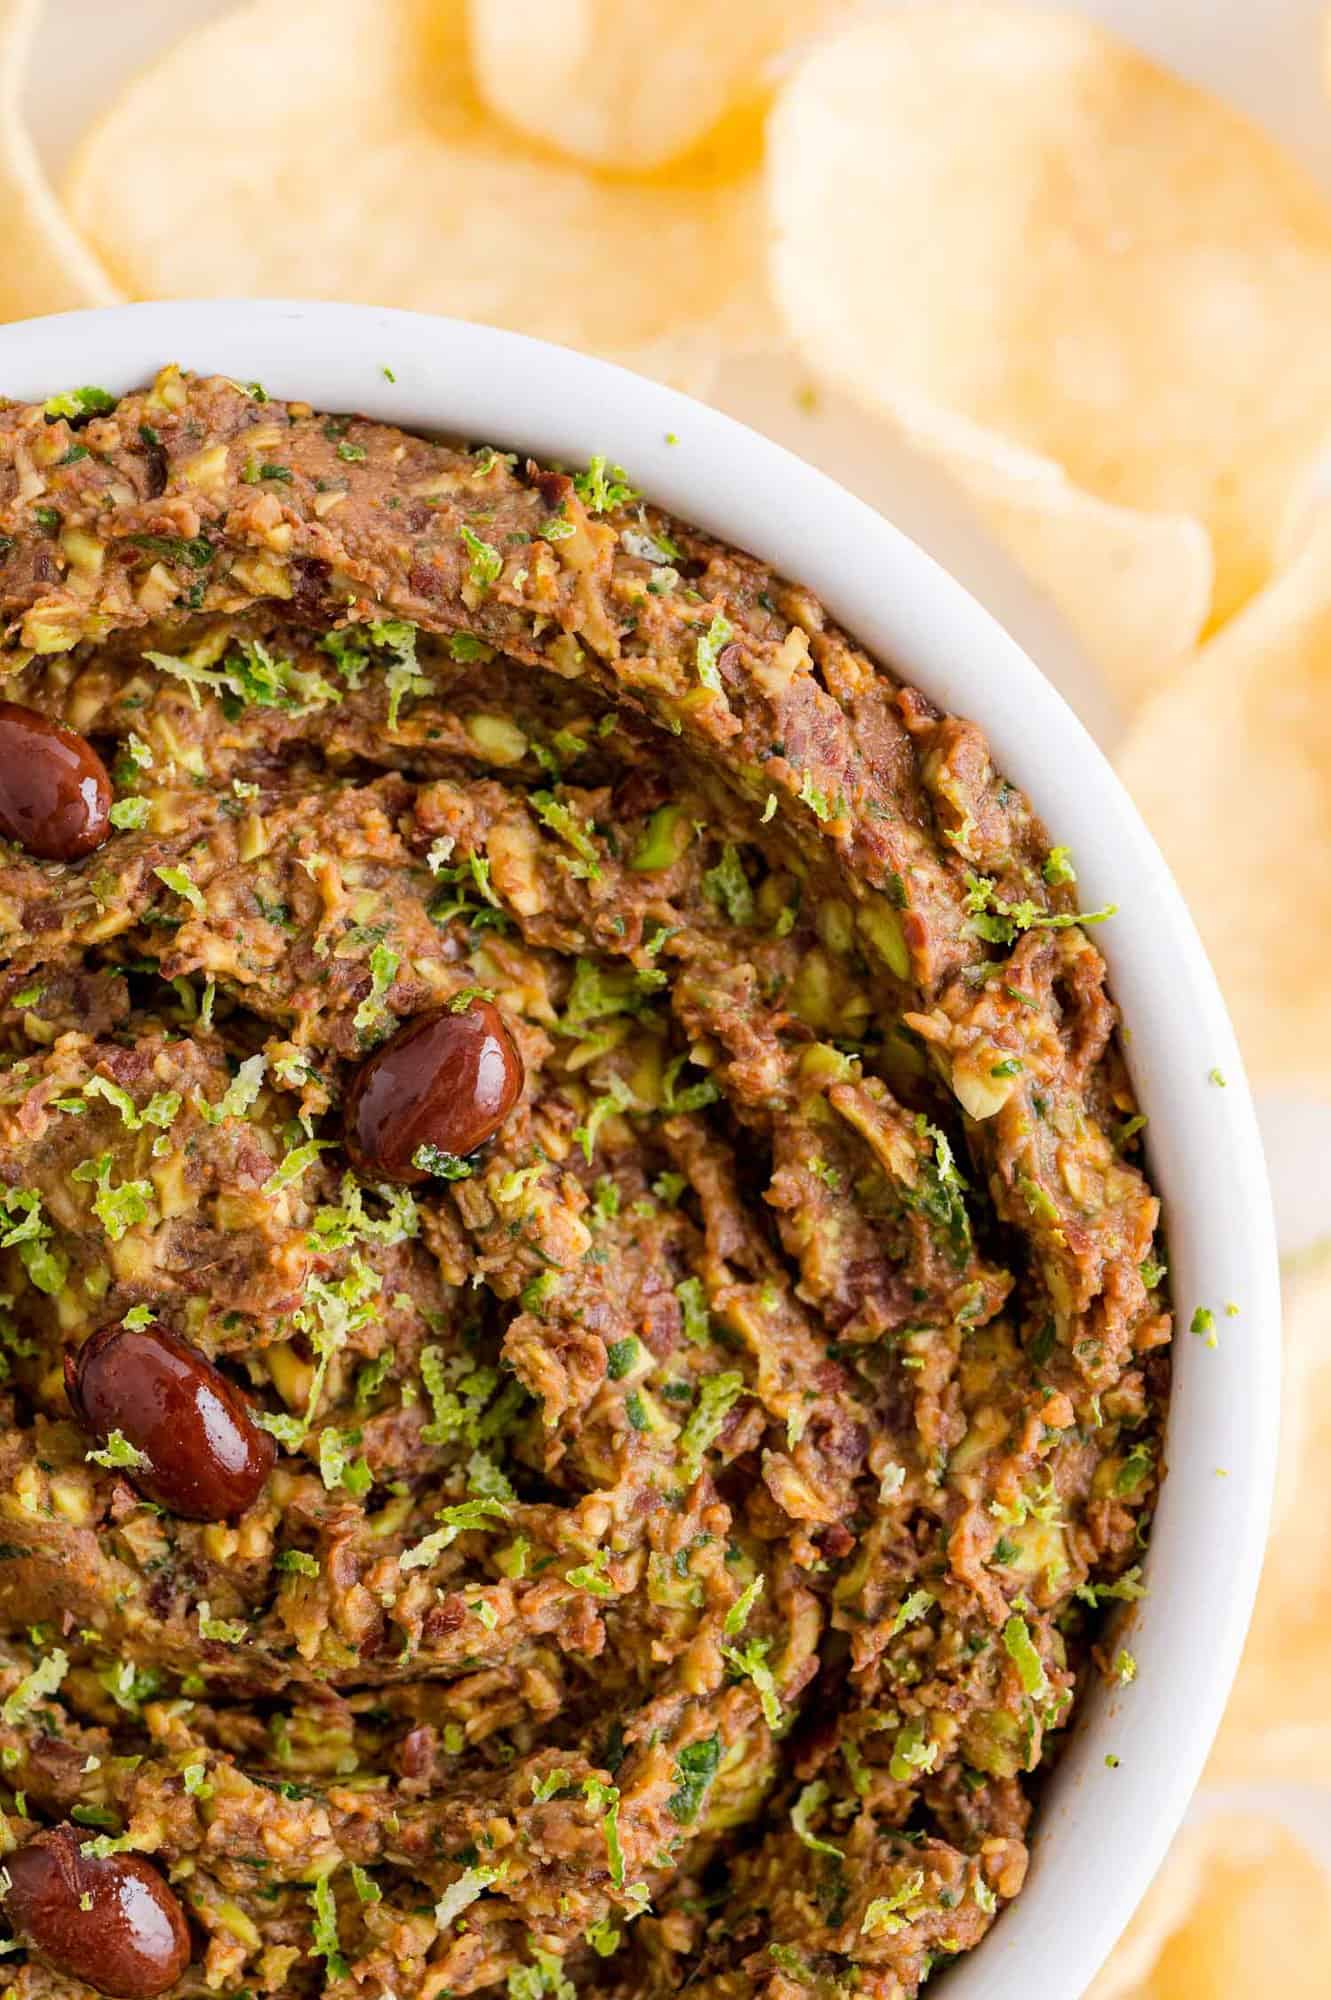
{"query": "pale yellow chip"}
(1231, 765)
(630, 84)
(1278, 1723)
(1015, 217)
(1134, 588)
(335, 149)
(44, 265)
(1242, 1906)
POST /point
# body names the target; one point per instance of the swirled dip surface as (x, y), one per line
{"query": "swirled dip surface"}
(663, 1544)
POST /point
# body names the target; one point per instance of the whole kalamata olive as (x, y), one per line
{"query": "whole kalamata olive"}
(446, 1082)
(55, 795)
(112, 1923)
(206, 1458)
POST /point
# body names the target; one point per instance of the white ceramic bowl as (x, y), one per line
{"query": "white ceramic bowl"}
(1101, 1831)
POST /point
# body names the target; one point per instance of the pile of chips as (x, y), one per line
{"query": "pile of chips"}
(1094, 297)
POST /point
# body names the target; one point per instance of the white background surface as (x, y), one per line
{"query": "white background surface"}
(1266, 57)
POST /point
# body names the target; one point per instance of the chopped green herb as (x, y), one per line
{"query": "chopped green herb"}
(801, 1813)
(886, 1915)
(228, 1631)
(1203, 1324)
(711, 644)
(325, 1943)
(693, 1306)
(118, 1209)
(717, 1396)
(297, 1562)
(75, 403)
(181, 881)
(487, 565)
(1021, 1650)
(695, 1767)
(599, 491)
(119, 1455)
(446, 1166)
(728, 886)
(751, 1661)
(738, 1615)
(911, 1610)
(34, 1688)
(372, 1017)
(1000, 922)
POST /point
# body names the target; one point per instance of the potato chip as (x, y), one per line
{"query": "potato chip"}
(1106, 599)
(1231, 765)
(1241, 1906)
(334, 149)
(1135, 588)
(1278, 1723)
(1019, 219)
(44, 265)
(629, 84)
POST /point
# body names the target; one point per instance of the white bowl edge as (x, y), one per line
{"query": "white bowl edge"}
(1101, 1833)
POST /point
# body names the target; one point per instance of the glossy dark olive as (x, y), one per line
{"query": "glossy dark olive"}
(445, 1080)
(131, 1940)
(207, 1458)
(55, 795)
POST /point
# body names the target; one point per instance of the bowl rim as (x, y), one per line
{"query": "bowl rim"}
(418, 371)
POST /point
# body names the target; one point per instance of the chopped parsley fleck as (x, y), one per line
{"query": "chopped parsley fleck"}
(468, 1516)
(911, 1610)
(227, 1631)
(590, 1576)
(912, 1752)
(460, 1895)
(445, 1166)
(297, 1562)
(717, 1396)
(25, 1228)
(801, 1813)
(118, 1209)
(621, 1356)
(1203, 1325)
(600, 490)
(119, 1455)
(738, 1615)
(751, 1662)
(1020, 1649)
(693, 1306)
(886, 1915)
(695, 1767)
(605, 1798)
(34, 1688)
(728, 886)
(194, 552)
(577, 834)
(1001, 922)
(372, 1018)
(182, 882)
(76, 403)
(487, 565)
(711, 644)
(325, 1943)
